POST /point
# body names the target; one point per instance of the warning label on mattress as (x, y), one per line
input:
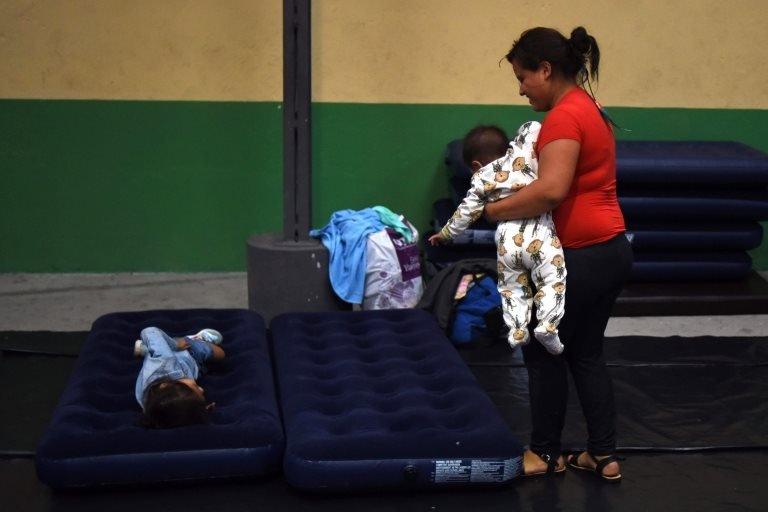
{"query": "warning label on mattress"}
(476, 470)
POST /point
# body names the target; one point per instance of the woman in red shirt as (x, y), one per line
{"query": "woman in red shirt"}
(577, 181)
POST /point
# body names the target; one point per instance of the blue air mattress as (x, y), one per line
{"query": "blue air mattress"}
(672, 162)
(93, 438)
(381, 399)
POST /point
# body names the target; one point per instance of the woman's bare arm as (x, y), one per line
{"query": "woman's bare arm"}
(557, 166)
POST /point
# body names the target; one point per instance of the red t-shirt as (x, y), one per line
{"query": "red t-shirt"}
(590, 213)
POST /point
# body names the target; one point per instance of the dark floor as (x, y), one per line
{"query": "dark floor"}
(701, 482)
(693, 424)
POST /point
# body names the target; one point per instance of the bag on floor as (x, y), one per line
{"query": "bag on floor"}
(478, 312)
(392, 270)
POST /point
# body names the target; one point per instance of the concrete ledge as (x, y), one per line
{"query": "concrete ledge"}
(287, 276)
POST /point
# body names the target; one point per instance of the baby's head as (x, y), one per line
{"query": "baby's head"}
(484, 144)
(175, 403)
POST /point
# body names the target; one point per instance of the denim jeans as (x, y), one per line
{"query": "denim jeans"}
(163, 360)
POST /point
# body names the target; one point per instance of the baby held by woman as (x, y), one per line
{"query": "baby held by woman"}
(529, 253)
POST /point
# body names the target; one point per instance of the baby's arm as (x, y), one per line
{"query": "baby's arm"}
(218, 352)
(470, 209)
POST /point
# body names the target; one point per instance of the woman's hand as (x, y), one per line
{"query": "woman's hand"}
(557, 166)
(492, 212)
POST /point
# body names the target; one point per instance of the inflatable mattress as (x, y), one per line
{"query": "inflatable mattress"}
(94, 437)
(381, 399)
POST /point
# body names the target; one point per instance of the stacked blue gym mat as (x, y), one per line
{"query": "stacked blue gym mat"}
(692, 209)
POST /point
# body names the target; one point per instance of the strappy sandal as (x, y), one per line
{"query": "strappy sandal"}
(573, 461)
(552, 467)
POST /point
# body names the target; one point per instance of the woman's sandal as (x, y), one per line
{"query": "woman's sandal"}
(552, 467)
(573, 461)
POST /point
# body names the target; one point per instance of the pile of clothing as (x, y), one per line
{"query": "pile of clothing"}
(374, 258)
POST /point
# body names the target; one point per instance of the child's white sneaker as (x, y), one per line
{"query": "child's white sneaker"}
(139, 350)
(209, 336)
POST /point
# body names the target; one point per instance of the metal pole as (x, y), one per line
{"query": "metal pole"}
(291, 273)
(297, 102)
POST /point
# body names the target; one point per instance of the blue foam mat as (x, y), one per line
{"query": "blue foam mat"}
(656, 234)
(712, 207)
(638, 163)
(705, 236)
(690, 267)
(686, 162)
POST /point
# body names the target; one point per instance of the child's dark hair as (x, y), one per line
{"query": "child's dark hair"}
(567, 56)
(484, 143)
(170, 403)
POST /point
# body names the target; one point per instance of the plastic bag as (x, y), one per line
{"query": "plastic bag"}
(393, 271)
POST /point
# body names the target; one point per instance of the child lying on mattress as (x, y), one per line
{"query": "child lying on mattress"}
(528, 251)
(167, 388)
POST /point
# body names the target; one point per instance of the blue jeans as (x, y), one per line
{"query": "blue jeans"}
(164, 360)
(200, 351)
(161, 343)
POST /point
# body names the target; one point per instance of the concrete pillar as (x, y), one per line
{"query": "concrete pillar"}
(287, 276)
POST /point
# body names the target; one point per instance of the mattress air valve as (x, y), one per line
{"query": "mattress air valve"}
(410, 473)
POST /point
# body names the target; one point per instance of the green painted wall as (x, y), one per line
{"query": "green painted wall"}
(132, 185)
(392, 154)
(179, 186)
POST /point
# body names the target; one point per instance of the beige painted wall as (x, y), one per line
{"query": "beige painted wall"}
(687, 53)
(683, 53)
(141, 49)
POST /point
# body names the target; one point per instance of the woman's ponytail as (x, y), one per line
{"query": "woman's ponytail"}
(585, 51)
(577, 58)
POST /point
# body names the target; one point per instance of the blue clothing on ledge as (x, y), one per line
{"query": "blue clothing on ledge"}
(345, 236)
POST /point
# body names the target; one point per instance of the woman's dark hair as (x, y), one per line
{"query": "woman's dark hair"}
(484, 143)
(567, 56)
(170, 403)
